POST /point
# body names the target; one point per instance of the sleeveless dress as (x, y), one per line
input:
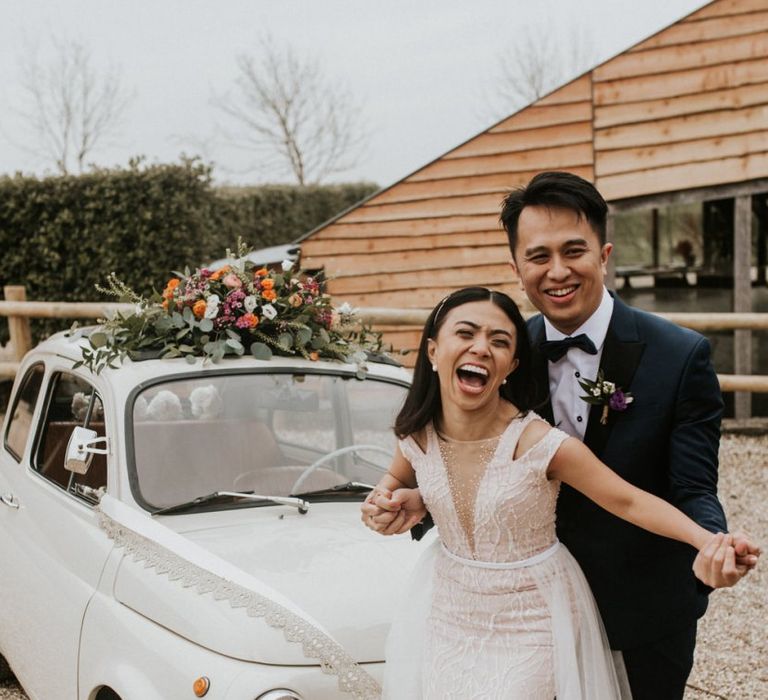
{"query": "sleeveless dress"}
(496, 607)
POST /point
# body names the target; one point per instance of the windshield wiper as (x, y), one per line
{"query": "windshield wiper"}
(353, 486)
(302, 505)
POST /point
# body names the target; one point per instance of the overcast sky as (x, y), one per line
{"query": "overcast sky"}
(424, 69)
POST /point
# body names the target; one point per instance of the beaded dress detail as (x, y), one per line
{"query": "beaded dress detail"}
(497, 608)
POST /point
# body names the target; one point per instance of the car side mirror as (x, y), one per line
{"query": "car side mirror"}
(81, 448)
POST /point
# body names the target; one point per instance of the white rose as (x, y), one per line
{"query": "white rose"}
(212, 306)
(596, 392)
(250, 303)
(287, 265)
(269, 311)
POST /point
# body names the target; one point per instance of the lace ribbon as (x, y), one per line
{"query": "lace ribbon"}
(315, 643)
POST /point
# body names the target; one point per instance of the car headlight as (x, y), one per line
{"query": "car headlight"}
(279, 694)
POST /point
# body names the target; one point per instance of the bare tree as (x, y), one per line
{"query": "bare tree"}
(292, 117)
(69, 106)
(535, 64)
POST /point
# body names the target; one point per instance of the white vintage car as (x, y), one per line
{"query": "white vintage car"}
(170, 530)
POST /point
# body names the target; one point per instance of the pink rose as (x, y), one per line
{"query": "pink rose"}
(232, 281)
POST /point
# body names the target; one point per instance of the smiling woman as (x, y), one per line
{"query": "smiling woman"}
(477, 356)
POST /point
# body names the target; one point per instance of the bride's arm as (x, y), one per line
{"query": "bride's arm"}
(576, 465)
(394, 506)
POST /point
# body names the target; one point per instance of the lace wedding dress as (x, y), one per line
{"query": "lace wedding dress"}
(496, 608)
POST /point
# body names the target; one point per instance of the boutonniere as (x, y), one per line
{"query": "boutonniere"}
(601, 392)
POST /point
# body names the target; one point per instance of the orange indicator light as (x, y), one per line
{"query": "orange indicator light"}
(201, 686)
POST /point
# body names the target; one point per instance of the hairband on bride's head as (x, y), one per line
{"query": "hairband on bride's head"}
(447, 297)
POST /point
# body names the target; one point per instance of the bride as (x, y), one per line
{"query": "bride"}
(497, 608)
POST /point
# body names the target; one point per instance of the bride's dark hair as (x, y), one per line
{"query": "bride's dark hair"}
(423, 403)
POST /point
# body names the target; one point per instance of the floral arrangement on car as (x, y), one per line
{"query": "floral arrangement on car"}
(237, 309)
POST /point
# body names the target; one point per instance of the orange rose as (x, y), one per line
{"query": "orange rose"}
(294, 300)
(170, 287)
(165, 304)
(262, 272)
(314, 356)
(269, 295)
(247, 321)
(220, 272)
(199, 308)
(267, 284)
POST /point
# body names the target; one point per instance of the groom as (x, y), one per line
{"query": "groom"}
(665, 440)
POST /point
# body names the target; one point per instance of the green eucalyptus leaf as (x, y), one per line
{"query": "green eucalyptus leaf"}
(206, 325)
(98, 340)
(261, 351)
(285, 341)
(303, 336)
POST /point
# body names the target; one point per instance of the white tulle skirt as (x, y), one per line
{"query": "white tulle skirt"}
(528, 629)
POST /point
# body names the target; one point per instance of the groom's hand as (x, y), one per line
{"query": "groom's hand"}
(717, 564)
(747, 552)
(393, 513)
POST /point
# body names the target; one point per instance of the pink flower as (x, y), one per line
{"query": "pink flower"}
(232, 281)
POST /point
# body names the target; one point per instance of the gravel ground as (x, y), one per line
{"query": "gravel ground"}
(732, 651)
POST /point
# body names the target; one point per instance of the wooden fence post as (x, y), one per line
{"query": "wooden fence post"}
(18, 326)
(742, 298)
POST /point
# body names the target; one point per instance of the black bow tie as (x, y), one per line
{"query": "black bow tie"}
(556, 349)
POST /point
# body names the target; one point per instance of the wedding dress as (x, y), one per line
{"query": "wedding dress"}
(496, 608)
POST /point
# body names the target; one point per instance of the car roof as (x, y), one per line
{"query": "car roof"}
(68, 345)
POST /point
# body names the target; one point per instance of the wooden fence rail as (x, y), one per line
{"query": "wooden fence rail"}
(19, 311)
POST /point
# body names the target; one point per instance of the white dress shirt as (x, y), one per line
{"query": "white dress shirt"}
(569, 410)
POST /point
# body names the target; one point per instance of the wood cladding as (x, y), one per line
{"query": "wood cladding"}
(685, 108)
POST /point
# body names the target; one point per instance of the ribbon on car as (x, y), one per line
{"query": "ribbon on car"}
(181, 560)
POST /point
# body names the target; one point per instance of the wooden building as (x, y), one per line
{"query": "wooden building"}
(680, 117)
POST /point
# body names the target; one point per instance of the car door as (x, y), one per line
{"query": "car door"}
(58, 550)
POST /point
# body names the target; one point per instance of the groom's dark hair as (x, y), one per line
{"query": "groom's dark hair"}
(555, 189)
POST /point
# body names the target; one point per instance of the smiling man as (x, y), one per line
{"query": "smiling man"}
(664, 441)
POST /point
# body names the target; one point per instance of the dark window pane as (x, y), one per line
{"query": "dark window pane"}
(21, 418)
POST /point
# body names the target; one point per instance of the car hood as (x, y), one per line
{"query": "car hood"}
(332, 569)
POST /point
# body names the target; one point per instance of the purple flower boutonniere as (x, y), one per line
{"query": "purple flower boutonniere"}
(601, 392)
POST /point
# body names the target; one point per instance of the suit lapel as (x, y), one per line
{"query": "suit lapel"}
(540, 369)
(622, 351)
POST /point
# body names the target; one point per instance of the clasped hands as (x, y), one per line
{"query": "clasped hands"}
(721, 563)
(726, 559)
(392, 512)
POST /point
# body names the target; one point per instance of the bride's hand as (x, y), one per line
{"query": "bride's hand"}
(716, 564)
(393, 513)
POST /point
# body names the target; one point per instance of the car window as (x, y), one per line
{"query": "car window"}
(259, 432)
(21, 416)
(72, 402)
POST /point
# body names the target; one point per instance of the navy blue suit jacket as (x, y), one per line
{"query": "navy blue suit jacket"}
(666, 442)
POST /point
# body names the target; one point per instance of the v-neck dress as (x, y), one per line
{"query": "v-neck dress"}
(497, 608)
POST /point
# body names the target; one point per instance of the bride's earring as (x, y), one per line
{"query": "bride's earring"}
(434, 368)
(504, 382)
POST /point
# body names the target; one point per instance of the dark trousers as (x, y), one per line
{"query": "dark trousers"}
(659, 671)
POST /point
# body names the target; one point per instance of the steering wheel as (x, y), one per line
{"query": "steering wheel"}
(337, 453)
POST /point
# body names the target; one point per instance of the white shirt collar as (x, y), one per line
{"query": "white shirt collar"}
(595, 327)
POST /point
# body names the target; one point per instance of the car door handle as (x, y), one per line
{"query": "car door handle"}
(9, 500)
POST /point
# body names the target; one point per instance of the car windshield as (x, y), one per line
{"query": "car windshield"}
(276, 434)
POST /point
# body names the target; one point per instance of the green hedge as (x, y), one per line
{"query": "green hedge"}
(59, 236)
